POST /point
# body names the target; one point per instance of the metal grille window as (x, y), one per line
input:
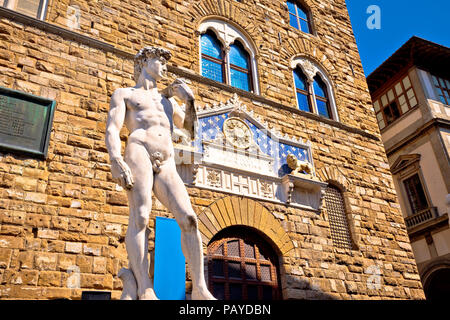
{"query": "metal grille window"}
(242, 267)
(340, 232)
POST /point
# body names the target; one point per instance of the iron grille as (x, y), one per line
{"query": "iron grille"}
(238, 269)
(340, 232)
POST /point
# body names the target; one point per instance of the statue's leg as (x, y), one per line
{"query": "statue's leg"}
(170, 190)
(140, 203)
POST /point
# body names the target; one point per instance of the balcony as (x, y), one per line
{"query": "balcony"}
(421, 217)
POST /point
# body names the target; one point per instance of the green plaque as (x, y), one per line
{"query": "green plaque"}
(25, 122)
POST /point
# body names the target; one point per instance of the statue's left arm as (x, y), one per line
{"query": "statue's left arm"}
(186, 119)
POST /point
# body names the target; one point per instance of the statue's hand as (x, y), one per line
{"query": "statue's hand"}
(180, 90)
(121, 172)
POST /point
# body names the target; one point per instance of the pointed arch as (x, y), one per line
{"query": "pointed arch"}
(303, 48)
(234, 211)
(228, 11)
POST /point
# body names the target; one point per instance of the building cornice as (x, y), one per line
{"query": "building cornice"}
(436, 122)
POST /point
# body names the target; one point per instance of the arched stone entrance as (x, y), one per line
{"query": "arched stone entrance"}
(242, 265)
(240, 211)
(437, 283)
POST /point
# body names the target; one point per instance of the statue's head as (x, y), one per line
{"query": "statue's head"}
(153, 60)
(291, 161)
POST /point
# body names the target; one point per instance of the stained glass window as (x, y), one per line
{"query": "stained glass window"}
(301, 86)
(212, 57)
(239, 67)
(298, 16)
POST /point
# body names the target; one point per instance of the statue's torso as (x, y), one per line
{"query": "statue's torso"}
(149, 119)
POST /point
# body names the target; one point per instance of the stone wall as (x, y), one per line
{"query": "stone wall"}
(65, 213)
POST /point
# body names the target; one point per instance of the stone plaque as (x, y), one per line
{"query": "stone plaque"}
(25, 122)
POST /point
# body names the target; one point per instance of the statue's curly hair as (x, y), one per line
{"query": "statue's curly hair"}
(145, 53)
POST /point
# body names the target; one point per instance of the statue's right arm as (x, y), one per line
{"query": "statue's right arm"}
(116, 118)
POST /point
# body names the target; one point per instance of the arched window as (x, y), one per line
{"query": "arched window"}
(227, 55)
(242, 266)
(302, 88)
(339, 227)
(313, 89)
(299, 16)
(321, 94)
(212, 57)
(240, 75)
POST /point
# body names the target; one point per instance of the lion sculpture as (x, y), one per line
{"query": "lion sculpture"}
(299, 167)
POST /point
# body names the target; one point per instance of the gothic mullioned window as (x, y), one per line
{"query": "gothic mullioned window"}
(227, 56)
(32, 8)
(299, 17)
(313, 89)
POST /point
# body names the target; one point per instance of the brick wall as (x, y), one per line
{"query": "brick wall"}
(66, 214)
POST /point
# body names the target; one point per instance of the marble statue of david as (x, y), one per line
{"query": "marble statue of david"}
(149, 165)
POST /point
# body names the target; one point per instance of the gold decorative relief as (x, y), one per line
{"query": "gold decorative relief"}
(237, 133)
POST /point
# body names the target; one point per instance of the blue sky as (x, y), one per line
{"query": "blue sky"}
(400, 20)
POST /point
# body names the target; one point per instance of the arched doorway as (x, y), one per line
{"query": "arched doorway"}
(242, 266)
(437, 286)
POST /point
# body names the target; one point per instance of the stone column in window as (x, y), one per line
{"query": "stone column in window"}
(226, 51)
(311, 95)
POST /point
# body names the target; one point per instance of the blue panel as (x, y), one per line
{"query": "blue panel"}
(239, 79)
(238, 56)
(212, 70)
(322, 108)
(170, 267)
(303, 103)
(300, 80)
(285, 149)
(211, 46)
(208, 128)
